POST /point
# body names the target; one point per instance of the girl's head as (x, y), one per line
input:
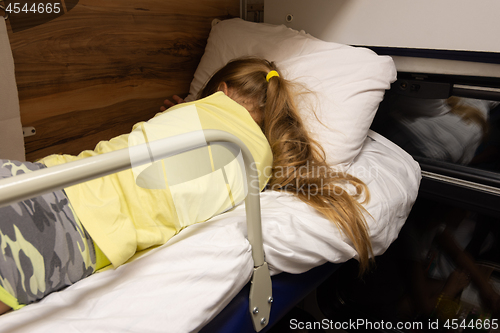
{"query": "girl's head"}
(245, 81)
(299, 164)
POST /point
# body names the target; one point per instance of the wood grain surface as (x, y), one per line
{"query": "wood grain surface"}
(93, 72)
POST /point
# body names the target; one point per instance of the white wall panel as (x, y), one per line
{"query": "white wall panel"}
(429, 24)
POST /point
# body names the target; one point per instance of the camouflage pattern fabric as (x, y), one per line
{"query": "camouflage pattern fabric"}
(43, 246)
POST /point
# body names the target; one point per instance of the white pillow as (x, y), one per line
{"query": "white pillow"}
(348, 82)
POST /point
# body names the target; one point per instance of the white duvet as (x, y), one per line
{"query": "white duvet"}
(183, 284)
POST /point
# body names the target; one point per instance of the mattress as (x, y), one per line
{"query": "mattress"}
(182, 285)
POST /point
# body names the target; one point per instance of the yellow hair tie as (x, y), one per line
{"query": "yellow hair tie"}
(271, 74)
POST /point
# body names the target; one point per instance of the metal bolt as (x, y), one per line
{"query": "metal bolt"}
(263, 321)
(255, 310)
(270, 299)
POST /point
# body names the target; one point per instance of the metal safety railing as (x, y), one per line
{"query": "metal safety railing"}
(29, 185)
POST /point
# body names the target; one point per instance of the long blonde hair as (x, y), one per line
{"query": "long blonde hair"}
(299, 164)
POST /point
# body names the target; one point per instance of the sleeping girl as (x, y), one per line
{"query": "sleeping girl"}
(54, 240)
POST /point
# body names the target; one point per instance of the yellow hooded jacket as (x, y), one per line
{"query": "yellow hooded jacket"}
(123, 217)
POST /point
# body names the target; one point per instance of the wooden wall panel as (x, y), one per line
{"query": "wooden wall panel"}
(93, 72)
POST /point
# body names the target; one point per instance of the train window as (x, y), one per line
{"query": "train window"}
(450, 124)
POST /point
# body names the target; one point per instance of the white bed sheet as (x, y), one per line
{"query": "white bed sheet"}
(183, 284)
